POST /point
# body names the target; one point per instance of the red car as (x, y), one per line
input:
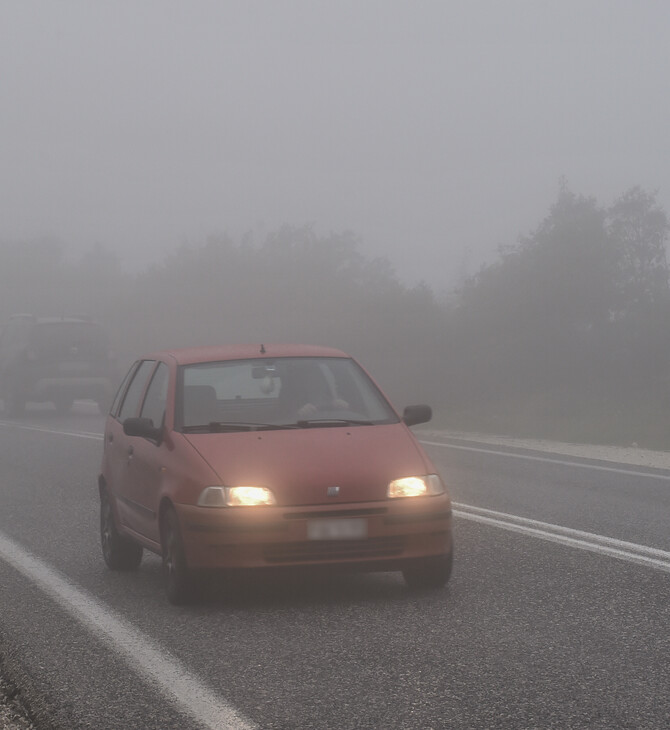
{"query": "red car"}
(254, 456)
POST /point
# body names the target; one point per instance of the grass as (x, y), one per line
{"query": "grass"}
(573, 418)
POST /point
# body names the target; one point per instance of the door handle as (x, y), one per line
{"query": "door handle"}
(110, 437)
(131, 451)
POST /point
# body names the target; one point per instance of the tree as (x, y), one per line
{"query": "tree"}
(638, 228)
(640, 343)
(537, 315)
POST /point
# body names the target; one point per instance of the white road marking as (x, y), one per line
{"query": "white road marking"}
(563, 462)
(164, 671)
(630, 551)
(43, 429)
(548, 460)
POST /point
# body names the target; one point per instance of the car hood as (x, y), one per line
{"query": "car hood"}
(299, 465)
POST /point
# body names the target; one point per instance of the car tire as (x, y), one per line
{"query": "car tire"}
(119, 552)
(179, 584)
(429, 573)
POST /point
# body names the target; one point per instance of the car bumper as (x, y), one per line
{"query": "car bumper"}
(396, 532)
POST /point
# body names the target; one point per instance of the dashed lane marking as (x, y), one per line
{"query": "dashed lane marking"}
(652, 557)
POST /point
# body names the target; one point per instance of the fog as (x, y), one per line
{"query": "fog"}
(258, 171)
(435, 131)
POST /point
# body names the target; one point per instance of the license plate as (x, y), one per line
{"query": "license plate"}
(337, 529)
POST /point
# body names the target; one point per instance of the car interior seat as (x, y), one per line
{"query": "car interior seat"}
(200, 405)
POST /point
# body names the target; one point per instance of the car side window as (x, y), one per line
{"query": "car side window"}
(156, 397)
(114, 410)
(131, 402)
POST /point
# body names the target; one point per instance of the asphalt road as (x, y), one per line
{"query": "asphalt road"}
(557, 615)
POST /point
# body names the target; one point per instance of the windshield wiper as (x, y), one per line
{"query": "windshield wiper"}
(232, 426)
(327, 422)
(216, 427)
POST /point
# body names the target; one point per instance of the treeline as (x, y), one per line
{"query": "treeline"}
(565, 334)
(293, 286)
(568, 331)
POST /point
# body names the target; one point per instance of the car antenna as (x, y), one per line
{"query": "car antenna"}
(262, 349)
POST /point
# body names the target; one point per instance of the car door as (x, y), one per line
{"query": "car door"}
(146, 463)
(121, 448)
(112, 458)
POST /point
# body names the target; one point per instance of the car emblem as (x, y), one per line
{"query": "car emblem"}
(333, 491)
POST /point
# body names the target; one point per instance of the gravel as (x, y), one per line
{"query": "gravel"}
(12, 715)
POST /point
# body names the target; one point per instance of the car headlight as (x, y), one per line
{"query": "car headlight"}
(429, 484)
(235, 497)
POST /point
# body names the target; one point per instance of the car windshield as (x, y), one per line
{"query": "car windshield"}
(68, 340)
(291, 392)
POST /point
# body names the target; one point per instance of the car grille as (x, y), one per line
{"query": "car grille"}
(327, 550)
(364, 512)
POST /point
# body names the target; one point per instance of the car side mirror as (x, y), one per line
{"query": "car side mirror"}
(412, 415)
(142, 427)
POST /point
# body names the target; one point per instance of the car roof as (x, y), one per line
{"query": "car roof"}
(215, 353)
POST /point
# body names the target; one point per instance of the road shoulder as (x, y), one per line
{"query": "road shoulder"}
(619, 454)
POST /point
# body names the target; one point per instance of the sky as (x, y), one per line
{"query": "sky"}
(435, 131)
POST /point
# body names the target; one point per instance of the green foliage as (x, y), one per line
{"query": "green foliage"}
(293, 286)
(638, 228)
(565, 334)
(577, 311)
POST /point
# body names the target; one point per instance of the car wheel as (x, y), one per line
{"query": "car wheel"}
(178, 579)
(429, 573)
(119, 552)
(63, 405)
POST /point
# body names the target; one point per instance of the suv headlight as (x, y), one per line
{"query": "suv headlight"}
(235, 497)
(427, 485)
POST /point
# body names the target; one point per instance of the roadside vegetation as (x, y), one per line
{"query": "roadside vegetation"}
(566, 335)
